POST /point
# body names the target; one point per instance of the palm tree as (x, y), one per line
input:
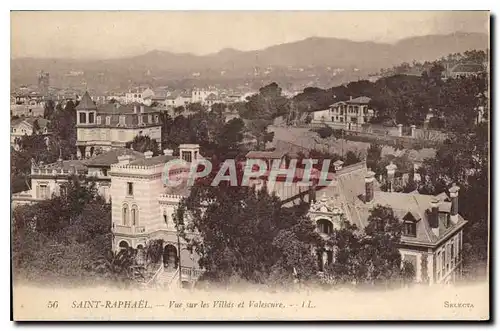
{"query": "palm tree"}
(120, 267)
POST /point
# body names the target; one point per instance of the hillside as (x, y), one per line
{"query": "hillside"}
(288, 61)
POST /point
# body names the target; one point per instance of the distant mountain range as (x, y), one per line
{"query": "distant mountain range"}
(307, 53)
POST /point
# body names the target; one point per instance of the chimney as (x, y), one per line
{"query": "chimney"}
(400, 130)
(148, 154)
(391, 170)
(338, 165)
(168, 152)
(350, 97)
(124, 159)
(142, 108)
(413, 127)
(369, 179)
(434, 216)
(454, 203)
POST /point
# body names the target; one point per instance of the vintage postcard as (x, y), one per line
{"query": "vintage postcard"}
(238, 165)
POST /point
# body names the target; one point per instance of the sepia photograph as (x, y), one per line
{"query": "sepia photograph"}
(250, 165)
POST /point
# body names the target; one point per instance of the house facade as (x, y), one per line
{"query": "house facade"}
(109, 126)
(432, 238)
(25, 127)
(349, 115)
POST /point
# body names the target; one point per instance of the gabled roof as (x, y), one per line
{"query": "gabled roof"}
(42, 122)
(86, 103)
(211, 96)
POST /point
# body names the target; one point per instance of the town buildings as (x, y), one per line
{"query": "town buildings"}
(100, 128)
(26, 126)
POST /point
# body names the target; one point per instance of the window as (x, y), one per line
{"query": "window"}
(410, 229)
(104, 172)
(448, 257)
(83, 118)
(186, 156)
(130, 188)
(452, 254)
(139, 119)
(63, 189)
(91, 118)
(44, 191)
(157, 119)
(443, 266)
(108, 120)
(125, 215)
(165, 218)
(98, 119)
(354, 119)
(135, 215)
(413, 260)
(439, 265)
(150, 118)
(324, 226)
(122, 120)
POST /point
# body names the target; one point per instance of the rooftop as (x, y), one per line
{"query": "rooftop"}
(86, 103)
(111, 157)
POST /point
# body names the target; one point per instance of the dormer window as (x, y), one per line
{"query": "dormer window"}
(409, 225)
(91, 118)
(409, 229)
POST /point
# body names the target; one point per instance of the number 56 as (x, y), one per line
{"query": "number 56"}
(52, 304)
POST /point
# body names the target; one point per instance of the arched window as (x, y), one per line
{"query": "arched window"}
(125, 214)
(165, 217)
(123, 245)
(135, 215)
(324, 226)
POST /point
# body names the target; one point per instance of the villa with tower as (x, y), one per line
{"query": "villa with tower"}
(101, 128)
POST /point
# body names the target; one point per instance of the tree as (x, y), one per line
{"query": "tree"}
(369, 257)
(229, 139)
(143, 143)
(373, 157)
(351, 158)
(243, 233)
(48, 109)
(120, 267)
(59, 239)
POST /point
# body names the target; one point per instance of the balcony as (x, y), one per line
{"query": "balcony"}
(124, 229)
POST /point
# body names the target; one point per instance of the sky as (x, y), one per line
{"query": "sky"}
(114, 34)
